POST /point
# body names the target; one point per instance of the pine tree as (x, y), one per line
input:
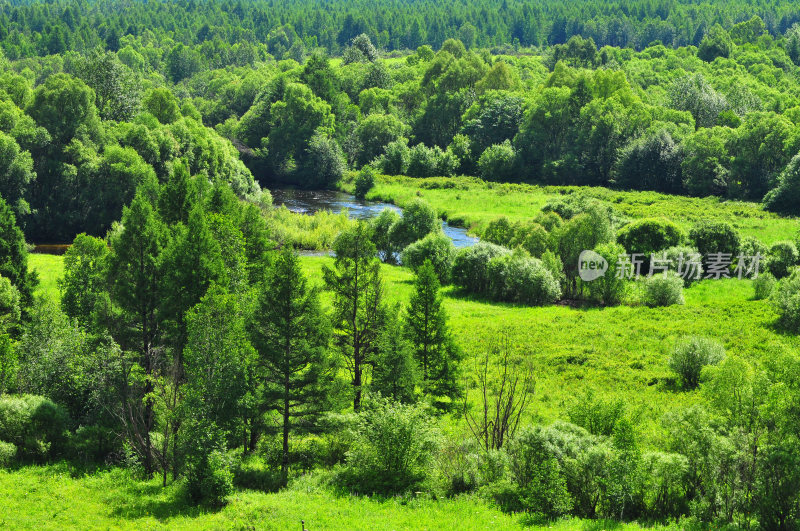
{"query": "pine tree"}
(291, 334)
(426, 328)
(135, 285)
(358, 301)
(394, 374)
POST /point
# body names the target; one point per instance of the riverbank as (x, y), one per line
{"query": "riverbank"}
(471, 203)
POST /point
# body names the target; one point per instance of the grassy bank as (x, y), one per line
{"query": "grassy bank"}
(472, 203)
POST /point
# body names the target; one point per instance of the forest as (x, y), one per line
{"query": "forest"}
(180, 347)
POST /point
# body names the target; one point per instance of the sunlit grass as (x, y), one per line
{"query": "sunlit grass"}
(472, 203)
(49, 269)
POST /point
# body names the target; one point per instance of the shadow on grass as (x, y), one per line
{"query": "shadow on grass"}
(145, 500)
(461, 294)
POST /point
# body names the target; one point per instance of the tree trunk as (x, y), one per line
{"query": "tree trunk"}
(285, 460)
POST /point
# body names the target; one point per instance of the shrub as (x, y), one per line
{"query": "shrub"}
(499, 163)
(365, 180)
(715, 237)
(324, 164)
(394, 160)
(691, 355)
(781, 257)
(419, 219)
(518, 277)
(93, 444)
(549, 220)
(435, 247)
(609, 288)
(763, 285)
(664, 481)
(752, 246)
(499, 231)
(686, 262)
(8, 452)
(786, 299)
(34, 424)
(785, 197)
(392, 449)
(471, 266)
(540, 485)
(662, 290)
(646, 236)
(209, 479)
(430, 162)
(533, 238)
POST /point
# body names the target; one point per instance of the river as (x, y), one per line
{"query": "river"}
(310, 201)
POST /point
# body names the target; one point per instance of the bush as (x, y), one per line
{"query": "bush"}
(430, 162)
(752, 246)
(518, 277)
(499, 231)
(471, 266)
(395, 158)
(324, 164)
(435, 247)
(541, 488)
(691, 355)
(499, 163)
(34, 424)
(365, 180)
(209, 479)
(786, 299)
(610, 288)
(785, 197)
(781, 257)
(715, 237)
(763, 285)
(392, 450)
(8, 452)
(686, 262)
(664, 484)
(646, 236)
(419, 219)
(662, 290)
(93, 444)
(533, 238)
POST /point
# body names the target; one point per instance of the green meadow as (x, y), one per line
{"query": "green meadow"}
(472, 203)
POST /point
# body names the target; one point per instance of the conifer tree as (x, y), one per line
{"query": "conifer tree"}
(291, 334)
(426, 328)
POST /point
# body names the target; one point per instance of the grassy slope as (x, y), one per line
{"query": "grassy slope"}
(472, 203)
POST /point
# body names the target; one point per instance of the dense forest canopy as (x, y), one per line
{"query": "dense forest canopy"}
(40, 28)
(96, 100)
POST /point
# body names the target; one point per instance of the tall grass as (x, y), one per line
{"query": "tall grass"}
(313, 232)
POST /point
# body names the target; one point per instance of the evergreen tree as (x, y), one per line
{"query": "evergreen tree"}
(135, 284)
(395, 374)
(291, 335)
(14, 255)
(426, 328)
(357, 289)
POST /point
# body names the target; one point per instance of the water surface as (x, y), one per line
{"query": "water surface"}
(310, 201)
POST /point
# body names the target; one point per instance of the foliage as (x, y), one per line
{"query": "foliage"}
(392, 449)
(781, 258)
(365, 180)
(436, 353)
(471, 266)
(786, 298)
(435, 248)
(34, 424)
(689, 357)
(418, 220)
(648, 236)
(517, 277)
(609, 289)
(763, 286)
(662, 290)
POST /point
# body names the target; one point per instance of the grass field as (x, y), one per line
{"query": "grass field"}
(472, 203)
(54, 497)
(618, 352)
